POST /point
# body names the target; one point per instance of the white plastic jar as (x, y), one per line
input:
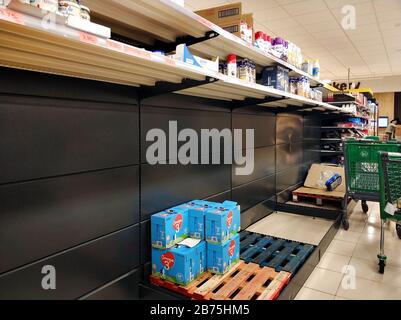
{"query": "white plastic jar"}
(85, 13)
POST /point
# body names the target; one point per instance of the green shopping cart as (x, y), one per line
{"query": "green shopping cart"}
(362, 170)
(390, 196)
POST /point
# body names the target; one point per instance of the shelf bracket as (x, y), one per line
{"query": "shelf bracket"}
(188, 40)
(163, 87)
(248, 102)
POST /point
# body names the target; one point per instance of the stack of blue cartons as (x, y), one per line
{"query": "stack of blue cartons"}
(182, 260)
(221, 231)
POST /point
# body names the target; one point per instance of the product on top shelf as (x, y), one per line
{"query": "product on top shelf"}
(268, 43)
(48, 5)
(85, 13)
(278, 48)
(230, 18)
(316, 69)
(70, 8)
(259, 40)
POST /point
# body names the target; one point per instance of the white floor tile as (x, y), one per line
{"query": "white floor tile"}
(341, 247)
(334, 262)
(309, 294)
(340, 298)
(366, 269)
(363, 289)
(324, 280)
(383, 291)
(356, 226)
(348, 236)
(366, 251)
(392, 276)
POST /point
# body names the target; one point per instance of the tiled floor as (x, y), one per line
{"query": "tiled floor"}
(348, 270)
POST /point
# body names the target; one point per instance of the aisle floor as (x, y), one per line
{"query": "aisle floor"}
(348, 270)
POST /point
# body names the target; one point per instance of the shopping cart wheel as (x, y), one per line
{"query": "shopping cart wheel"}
(382, 264)
(365, 206)
(398, 228)
(345, 223)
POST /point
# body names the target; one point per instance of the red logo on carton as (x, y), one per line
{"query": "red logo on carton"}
(168, 260)
(177, 223)
(229, 220)
(231, 248)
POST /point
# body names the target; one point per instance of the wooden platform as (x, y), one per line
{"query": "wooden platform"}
(317, 195)
(243, 282)
(279, 254)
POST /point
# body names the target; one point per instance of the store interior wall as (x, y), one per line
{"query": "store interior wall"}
(386, 107)
(397, 105)
(77, 193)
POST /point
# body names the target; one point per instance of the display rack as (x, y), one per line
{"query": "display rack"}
(173, 24)
(27, 44)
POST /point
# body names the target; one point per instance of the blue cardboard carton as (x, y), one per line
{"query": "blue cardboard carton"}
(276, 77)
(223, 222)
(196, 217)
(180, 264)
(169, 227)
(221, 257)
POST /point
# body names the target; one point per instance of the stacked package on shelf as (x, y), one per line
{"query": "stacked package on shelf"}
(230, 18)
(180, 253)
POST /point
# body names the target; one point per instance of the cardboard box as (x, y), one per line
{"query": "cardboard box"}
(276, 77)
(222, 14)
(183, 54)
(234, 26)
(221, 257)
(169, 227)
(180, 264)
(223, 222)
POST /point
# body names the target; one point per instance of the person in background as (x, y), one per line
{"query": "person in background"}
(390, 131)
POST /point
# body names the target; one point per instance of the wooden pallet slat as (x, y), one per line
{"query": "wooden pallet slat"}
(235, 283)
(215, 281)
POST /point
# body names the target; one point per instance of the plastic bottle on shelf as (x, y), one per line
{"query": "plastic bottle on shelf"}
(285, 51)
(232, 65)
(249, 34)
(259, 40)
(278, 47)
(316, 69)
(267, 43)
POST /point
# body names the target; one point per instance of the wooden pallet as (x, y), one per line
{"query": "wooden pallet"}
(243, 282)
(319, 196)
(279, 254)
(188, 290)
